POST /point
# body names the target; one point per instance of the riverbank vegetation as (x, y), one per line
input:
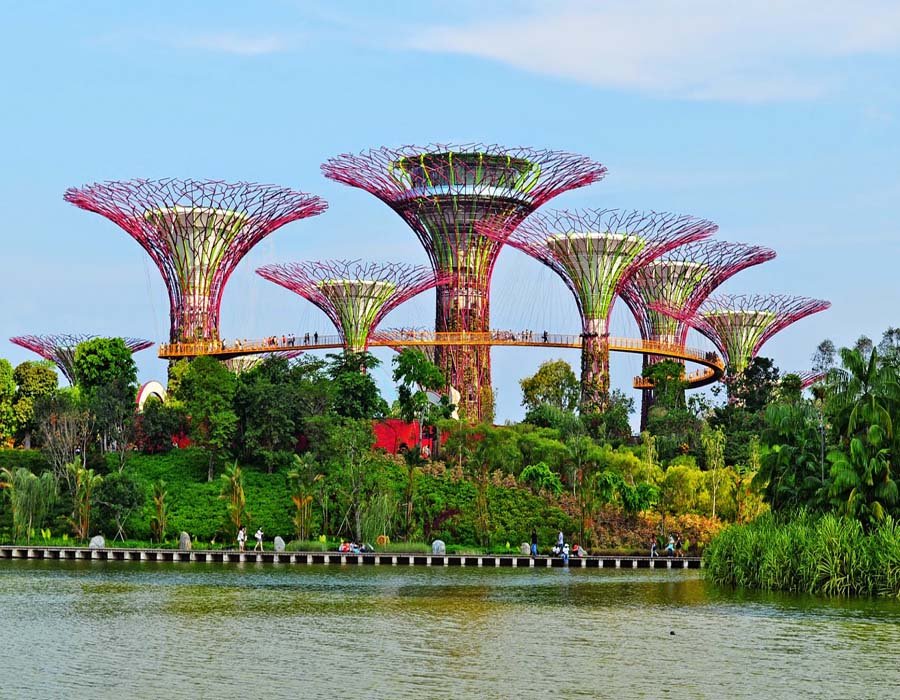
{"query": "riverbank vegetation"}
(288, 446)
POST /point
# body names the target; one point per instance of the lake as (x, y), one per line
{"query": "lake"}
(144, 630)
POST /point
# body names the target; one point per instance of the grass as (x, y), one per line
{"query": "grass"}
(827, 555)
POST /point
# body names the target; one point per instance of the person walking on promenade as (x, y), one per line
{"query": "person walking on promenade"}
(653, 552)
(241, 538)
(533, 542)
(258, 547)
(670, 547)
(679, 552)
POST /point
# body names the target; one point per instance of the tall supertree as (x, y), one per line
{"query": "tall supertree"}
(355, 295)
(196, 231)
(60, 348)
(442, 192)
(740, 324)
(595, 252)
(684, 277)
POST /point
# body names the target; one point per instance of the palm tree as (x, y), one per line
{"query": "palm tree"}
(864, 392)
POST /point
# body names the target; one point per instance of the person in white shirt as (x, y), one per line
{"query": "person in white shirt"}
(259, 541)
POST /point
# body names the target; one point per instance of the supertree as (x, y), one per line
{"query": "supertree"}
(355, 295)
(595, 252)
(740, 324)
(684, 277)
(442, 192)
(60, 348)
(196, 231)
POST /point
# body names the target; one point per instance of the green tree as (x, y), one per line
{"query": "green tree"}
(107, 377)
(30, 497)
(159, 521)
(612, 424)
(85, 482)
(862, 478)
(8, 425)
(157, 424)
(668, 383)
(207, 391)
(233, 494)
(862, 393)
(753, 389)
(356, 395)
(35, 380)
(119, 496)
(554, 384)
(303, 481)
(792, 469)
(714, 451)
(416, 376)
(267, 414)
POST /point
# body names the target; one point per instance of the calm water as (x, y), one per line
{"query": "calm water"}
(129, 630)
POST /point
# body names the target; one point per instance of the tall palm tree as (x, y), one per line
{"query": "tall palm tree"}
(864, 392)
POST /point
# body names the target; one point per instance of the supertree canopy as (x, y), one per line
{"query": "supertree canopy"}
(739, 324)
(196, 232)
(595, 252)
(60, 348)
(355, 295)
(442, 192)
(684, 277)
(244, 363)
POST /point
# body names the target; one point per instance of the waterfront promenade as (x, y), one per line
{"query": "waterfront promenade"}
(337, 558)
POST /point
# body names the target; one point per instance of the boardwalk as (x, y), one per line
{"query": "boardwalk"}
(335, 558)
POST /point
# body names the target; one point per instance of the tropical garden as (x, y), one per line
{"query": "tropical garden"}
(778, 487)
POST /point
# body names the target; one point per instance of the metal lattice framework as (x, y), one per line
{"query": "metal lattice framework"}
(196, 231)
(595, 252)
(684, 277)
(60, 348)
(740, 324)
(355, 295)
(808, 377)
(442, 192)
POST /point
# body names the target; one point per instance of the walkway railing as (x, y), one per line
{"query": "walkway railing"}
(713, 369)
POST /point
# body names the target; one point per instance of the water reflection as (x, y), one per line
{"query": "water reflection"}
(146, 630)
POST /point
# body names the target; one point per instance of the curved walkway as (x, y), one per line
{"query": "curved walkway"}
(712, 370)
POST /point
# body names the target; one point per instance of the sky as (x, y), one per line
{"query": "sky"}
(780, 121)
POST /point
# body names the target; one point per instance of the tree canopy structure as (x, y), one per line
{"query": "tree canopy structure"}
(684, 277)
(595, 252)
(196, 231)
(740, 324)
(442, 192)
(355, 295)
(60, 348)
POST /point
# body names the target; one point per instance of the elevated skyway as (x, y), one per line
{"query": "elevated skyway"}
(711, 370)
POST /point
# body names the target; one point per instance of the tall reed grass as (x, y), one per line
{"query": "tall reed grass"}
(826, 554)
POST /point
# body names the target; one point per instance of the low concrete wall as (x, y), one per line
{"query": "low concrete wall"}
(370, 559)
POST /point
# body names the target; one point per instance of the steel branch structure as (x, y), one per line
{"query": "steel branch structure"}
(740, 324)
(238, 364)
(355, 295)
(684, 277)
(442, 192)
(196, 232)
(60, 348)
(595, 252)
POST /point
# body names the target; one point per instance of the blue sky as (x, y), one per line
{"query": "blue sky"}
(779, 121)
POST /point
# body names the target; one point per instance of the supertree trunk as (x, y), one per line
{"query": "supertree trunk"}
(465, 308)
(594, 367)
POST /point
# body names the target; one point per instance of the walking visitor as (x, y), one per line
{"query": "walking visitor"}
(533, 542)
(241, 538)
(258, 547)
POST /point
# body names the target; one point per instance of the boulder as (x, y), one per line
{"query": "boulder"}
(97, 542)
(184, 542)
(525, 549)
(438, 547)
(279, 544)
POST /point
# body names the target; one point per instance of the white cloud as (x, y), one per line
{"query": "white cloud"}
(232, 43)
(752, 51)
